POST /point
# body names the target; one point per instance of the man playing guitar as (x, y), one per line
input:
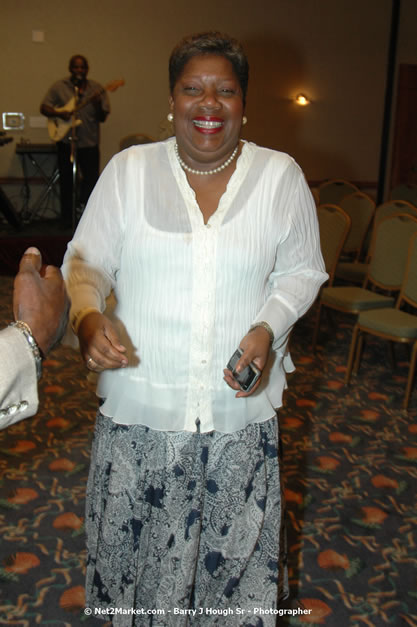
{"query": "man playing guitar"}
(75, 106)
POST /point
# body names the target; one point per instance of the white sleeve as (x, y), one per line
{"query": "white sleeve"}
(299, 268)
(18, 382)
(93, 256)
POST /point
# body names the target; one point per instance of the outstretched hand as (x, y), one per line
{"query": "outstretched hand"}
(40, 299)
(255, 346)
(100, 344)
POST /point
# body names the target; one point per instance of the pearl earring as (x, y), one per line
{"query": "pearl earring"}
(244, 120)
(170, 117)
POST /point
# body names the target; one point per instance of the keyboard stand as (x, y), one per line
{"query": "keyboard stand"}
(32, 154)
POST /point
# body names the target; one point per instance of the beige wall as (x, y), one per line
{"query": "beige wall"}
(334, 50)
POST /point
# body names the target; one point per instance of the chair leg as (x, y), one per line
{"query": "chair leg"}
(411, 373)
(391, 352)
(359, 351)
(352, 352)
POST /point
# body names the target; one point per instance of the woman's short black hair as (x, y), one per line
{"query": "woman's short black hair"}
(211, 42)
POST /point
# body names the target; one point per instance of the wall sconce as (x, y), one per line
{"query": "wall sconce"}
(302, 100)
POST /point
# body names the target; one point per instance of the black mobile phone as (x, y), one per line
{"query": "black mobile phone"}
(249, 375)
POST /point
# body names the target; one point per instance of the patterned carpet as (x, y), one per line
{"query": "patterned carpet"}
(350, 462)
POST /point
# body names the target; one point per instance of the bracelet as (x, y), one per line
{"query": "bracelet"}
(79, 317)
(36, 351)
(267, 328)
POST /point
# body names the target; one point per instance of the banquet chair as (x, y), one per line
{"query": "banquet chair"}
(134, 139)
(392, 324)
(355, 271)
(334, 226)
(333, 190)
(395, 206)
(385, 272)
(360, 207)
(405, 191)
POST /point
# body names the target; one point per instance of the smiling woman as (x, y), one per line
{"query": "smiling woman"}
(210, 244)
(207, 105)
(208, 79)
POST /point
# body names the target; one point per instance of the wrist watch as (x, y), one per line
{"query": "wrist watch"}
(36, 351)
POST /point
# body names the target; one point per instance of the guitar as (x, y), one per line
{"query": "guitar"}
(58, 128)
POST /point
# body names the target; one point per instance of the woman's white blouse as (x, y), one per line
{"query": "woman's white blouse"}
(187, 292)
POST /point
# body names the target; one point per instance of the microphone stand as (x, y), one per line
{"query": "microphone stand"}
(74, 161)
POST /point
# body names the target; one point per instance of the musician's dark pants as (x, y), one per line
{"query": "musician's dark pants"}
(88, 160)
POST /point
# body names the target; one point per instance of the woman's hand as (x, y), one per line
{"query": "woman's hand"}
(99, 343)
(255, 346)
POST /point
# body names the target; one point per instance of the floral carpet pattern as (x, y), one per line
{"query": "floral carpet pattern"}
(350, 463)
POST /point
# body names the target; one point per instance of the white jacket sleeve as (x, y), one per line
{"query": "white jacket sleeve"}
(18, 382)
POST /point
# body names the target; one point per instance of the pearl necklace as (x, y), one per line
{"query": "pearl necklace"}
(218, 169)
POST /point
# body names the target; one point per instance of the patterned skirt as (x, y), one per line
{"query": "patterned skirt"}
(185, 528)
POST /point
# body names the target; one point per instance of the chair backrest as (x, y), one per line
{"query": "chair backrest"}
(360, 207)
(135, 139)
(384, 210)
(405, 191)
(409, 287)
(333, 190)
(389, 251)
(334, 225)
(390, 207)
